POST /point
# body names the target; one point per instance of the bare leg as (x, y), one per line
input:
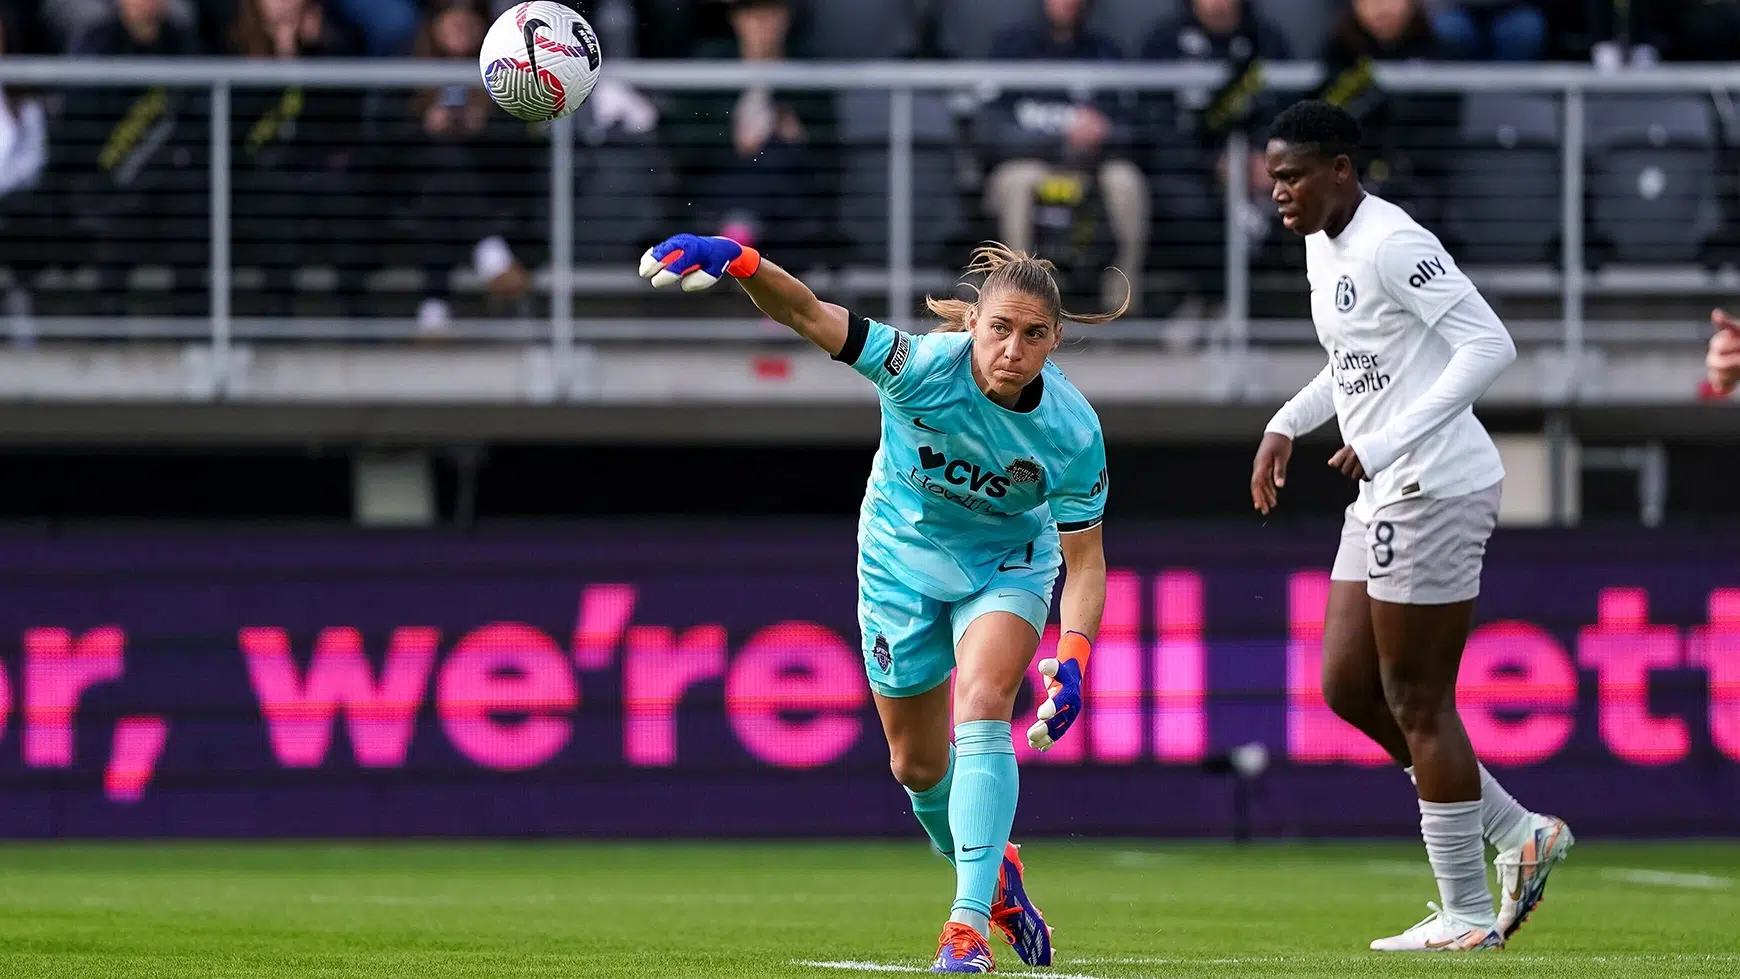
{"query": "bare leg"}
(921, 754)
(1352, 680)
(1420, 652)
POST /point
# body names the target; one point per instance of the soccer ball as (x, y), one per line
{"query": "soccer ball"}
(539, 60)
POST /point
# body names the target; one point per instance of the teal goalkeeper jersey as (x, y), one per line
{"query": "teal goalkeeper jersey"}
(961, 483)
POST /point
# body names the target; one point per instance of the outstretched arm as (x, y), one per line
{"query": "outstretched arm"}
(699, 262)
(787, 300)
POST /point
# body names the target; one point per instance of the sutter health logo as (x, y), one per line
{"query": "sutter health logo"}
(1358, 373)
(937, 473)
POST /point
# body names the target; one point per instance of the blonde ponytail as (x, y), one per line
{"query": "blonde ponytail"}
(1006, 268)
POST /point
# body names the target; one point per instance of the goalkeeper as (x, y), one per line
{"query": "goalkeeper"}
(990, 475)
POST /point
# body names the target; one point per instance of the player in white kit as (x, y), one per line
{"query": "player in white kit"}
(1411, 345)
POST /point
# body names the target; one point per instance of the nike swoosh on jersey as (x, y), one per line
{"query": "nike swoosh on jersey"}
(974, 849)
(920, 423)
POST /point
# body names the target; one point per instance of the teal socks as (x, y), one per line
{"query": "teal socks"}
(981, 810)
(932, 809)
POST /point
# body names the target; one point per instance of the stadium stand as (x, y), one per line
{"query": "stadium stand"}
(1506, 178)
(1653, 168)
(345, 204)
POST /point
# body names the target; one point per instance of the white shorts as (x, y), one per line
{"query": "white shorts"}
(1421, 551)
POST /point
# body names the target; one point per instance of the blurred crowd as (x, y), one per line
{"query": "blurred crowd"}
(109, 179)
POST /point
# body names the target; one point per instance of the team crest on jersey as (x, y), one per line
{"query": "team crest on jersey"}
(1345, 294)
(1023, 471)
(884, 656)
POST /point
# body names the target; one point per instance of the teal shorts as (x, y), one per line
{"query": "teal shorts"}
(909, 638)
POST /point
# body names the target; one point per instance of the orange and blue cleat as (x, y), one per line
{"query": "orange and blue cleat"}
(962, 950)
(1016, 917)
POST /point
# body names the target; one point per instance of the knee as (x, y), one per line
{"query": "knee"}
(1125, 183)
(985, 698)
(918, 770)
(1012, 182)
(1416, 707)
(1353, 701)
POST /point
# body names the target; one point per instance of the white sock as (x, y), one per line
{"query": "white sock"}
(1503, 820)
(1453, 845)
(972, 919)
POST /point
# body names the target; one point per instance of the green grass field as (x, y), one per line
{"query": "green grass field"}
(1122, 910)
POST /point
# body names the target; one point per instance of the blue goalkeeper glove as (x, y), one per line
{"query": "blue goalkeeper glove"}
(1063, 678)
(697, 262)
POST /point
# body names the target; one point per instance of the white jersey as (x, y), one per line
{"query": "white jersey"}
(1411, 346)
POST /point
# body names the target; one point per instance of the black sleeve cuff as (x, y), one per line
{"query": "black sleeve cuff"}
(857, 333)
(1079, 526)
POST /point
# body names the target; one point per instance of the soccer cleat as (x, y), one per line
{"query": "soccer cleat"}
(962, 950)
(1016, 917)
(1441, 931)
(1522, 871)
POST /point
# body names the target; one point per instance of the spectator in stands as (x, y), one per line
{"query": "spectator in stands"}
(295, 177)
(387, 26)
(765, 186)
(25, 222)
(462, 171)
(1190, 131)
(1405, 134)
(134, 162)
(1491, 30)
(762, 159)
(1636, 32)
(1061, 160)
(65, 21)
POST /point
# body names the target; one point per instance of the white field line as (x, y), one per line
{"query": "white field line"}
(1159, 960)
(846, 965)
(1145, 858)
(1471, 960)
(1662, 878)
(1627, 958)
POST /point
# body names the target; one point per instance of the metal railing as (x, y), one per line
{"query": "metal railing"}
(901, 80)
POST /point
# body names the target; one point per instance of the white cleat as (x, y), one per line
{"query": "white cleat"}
(1442, 931)
(1522, 871)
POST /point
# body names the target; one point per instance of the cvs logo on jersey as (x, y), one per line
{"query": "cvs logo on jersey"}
(963, 473)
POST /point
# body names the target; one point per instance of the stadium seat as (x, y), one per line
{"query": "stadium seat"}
(938, 217)
(1652, 176)
(864, 29)
(966, 28)
(1306, 23)
(1505, 181)
(1130, 22)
